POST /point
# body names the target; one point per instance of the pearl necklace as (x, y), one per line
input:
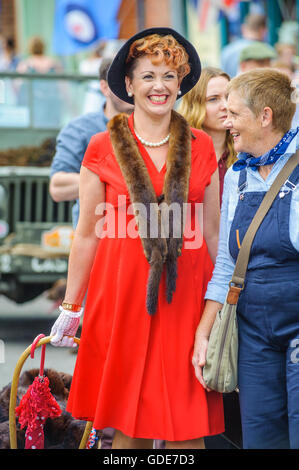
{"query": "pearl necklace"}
(153, 144)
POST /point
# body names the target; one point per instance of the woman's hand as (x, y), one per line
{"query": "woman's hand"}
(202, 339)
(65, 328)
(199, 357)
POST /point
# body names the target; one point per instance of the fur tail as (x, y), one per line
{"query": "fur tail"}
(155, 273)
(171, 268)
(171, 276)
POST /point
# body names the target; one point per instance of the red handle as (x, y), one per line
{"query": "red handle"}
(32, 351)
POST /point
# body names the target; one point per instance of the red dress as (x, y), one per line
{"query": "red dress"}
(133, 371)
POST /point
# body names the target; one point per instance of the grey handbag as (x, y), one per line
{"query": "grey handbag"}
(220, 370)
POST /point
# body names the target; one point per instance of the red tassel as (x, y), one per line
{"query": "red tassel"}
(37, 405)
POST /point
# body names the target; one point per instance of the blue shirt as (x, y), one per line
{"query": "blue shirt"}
(230, 55)
(224, 267)
(71, 144)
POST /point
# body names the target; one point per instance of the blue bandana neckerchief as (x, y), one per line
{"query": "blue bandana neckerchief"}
(269, 158)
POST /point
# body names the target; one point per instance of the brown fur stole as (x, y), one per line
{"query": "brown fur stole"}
(160, 246)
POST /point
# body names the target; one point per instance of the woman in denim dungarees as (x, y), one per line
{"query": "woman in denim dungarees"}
(260, 109)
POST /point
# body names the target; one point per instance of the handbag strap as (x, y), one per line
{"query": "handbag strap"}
(237, 282)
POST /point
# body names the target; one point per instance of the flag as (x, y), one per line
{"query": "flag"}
(79, 24)
(207, 11)
(229, 3)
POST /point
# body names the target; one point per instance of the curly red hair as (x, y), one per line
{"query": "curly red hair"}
(159, 49)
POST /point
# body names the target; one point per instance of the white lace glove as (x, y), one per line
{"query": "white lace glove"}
(65, 328)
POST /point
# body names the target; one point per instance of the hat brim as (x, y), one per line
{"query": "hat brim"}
(116, 72)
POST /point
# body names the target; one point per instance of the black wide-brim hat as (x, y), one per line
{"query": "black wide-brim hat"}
(117, 70)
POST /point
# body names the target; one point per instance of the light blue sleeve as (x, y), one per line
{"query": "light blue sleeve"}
(226, 62)
(70, 148)
(294, 208)
(224, 266)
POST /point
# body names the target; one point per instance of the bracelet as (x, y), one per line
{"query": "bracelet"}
(72, 307)
(71, 313)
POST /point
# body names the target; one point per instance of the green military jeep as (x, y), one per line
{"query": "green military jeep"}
(35, 231)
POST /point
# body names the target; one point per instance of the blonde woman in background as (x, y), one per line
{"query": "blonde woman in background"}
(204, 107)
(38, 61)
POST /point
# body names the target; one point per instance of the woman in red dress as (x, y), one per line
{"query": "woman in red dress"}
(146, 267)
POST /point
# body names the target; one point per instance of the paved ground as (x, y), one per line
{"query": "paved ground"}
(19, 325)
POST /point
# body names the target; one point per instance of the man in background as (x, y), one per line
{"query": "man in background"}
(256, 55)
(254, 28)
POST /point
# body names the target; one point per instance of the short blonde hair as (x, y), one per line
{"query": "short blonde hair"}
(159, 49)
(266, 87)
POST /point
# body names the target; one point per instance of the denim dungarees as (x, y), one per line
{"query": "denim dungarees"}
(268, 321)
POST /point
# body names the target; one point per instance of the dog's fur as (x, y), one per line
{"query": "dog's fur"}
(63, 432)
(157, 250)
